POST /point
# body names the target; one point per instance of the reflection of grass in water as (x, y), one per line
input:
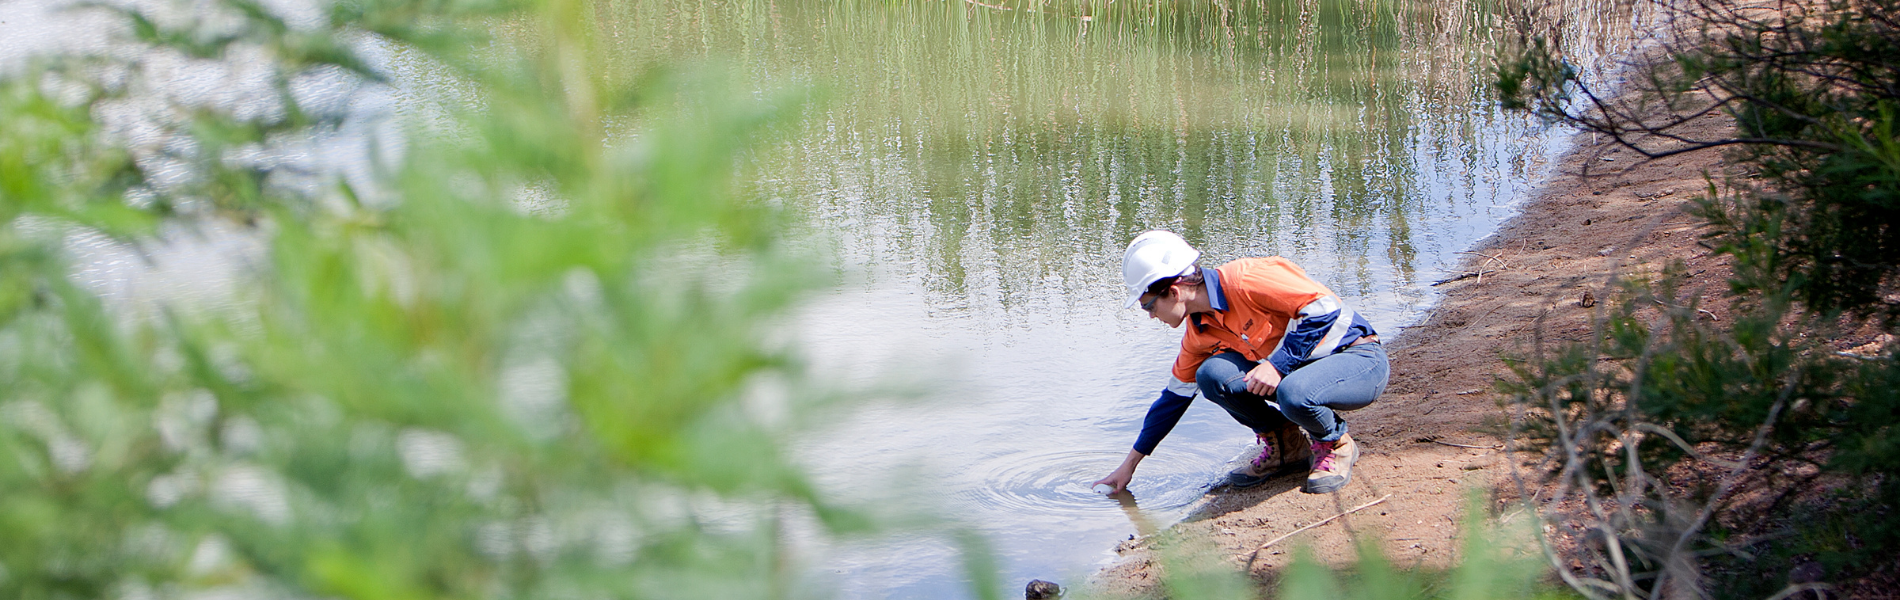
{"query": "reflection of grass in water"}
(1318, 69)
(964, 66)
(1015, 135)
(1133, 62)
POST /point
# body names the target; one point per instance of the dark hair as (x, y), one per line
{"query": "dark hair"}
(1191, 277)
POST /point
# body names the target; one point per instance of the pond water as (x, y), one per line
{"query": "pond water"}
(974, 169)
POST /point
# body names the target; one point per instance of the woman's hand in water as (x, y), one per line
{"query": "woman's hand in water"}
(1118, 480)
(1123, 474)
(1263, 379)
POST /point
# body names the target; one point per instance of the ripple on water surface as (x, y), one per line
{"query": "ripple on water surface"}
(1058, 483)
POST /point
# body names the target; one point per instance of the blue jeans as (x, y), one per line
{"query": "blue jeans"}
(1311, 396)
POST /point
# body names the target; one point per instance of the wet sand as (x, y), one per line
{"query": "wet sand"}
(1604, 211)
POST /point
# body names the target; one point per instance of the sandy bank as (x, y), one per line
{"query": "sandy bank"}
(1603, 211)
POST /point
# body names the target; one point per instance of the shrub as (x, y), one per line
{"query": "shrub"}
(1660, 421)
(495, 365)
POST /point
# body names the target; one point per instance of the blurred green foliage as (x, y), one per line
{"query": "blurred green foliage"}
(1497, 560)
(520, 360)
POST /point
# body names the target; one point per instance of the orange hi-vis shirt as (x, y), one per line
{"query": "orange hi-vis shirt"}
(1267, 310)
(1256, 300)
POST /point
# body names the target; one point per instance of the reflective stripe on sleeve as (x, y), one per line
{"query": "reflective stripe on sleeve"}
(1312, 334)
(1184, 388)
(1342, 324)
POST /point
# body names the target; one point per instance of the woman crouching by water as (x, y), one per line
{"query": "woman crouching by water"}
(1279, 351)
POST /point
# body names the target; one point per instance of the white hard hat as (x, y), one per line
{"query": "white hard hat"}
(1154, 256)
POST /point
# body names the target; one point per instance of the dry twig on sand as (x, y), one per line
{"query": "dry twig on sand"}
(1256, 551)
(1435, 440)
(1462, 277)
(1483, 269)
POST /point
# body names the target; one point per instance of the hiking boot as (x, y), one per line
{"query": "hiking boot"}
(1282, 451)
(1332, 465)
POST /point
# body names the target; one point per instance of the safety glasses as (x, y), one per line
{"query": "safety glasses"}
(1149, 304)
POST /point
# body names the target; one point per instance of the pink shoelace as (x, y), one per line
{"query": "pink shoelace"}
(1323, 456)
(1266, 453)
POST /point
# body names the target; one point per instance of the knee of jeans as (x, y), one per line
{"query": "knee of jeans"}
(1212, 375)
(1215, 390)
(1209, 387)
(1294, 392)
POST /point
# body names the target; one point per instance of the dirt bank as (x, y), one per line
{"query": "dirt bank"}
(1604, 210)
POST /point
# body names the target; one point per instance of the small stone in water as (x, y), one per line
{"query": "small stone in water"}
(1042, 590)
(1103, 489)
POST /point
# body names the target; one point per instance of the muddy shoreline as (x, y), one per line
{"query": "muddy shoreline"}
(1603, 210)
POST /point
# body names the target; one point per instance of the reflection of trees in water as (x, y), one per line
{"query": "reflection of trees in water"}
(1047, 211)
(1012, 151)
